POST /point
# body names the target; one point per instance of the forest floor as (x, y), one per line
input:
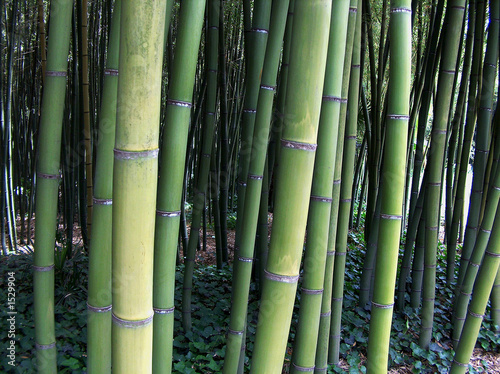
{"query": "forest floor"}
(405, 357)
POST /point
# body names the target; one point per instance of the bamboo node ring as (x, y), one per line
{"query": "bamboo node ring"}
(263, 31)
(133, 324)
(234, 332)
(302, 368)
(326, 314)
(43, 268)
(353, 9)
(97, 309)
(97, 201)
(267, 87)
(401, 10)
(382, 306)
(245, 259)
(460, 364)
(111, 72)
(475, 314)
(311, 292)
(134, 155)
(255, 177)
(54, 73)
(164, 311)
(163, 213)
(390, 216)
(45, 346)
(492, 254)
(298, 145)
(402, 117)
(337, 181)
(184, 104)
(250, 111)
(321, 199)
(335, 99)
(48, 176)
(281, 278)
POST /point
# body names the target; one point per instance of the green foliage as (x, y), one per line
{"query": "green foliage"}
(202, 350)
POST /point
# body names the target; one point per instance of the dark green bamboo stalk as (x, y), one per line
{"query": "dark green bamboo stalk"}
(338, 193)
(455, 16)
(8, 131)
(338, 278)
(243, 263)
(495, 303)
(303, 104)
(306, 337)
(172, 175)
(483, 139)
(462, 300)
(203, 166)
(392, 183)
(135, 176)
(480, 296)
(453, 161)
(255, 49)
(417, 271)
(47, 185)
(454, 213)
(99, 298)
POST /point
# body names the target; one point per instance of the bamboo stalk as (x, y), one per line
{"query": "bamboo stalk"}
(134, 183)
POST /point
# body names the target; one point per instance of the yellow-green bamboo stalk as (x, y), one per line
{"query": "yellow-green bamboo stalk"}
(314, 305)
(134, 183)
(294, 179)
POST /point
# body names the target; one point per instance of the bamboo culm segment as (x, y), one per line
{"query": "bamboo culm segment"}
(99, 299)
(304, 91)
(135, 183)
(340, 254)
(242, 273)
(313, 301)
(47, 185)
(170, 185)
(202, 170)
(480, 296)
(392, 186)
(435, 164)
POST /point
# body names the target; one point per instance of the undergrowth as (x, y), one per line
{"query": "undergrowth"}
(202, 350)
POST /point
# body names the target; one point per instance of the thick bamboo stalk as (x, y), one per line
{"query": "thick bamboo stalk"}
(392, 183)
(306, 337)
(305, 86)
(135, 183)
(243, 263)
(47, 185)
(99, 297)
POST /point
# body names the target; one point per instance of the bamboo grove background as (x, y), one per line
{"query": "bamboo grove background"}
(134, 121)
